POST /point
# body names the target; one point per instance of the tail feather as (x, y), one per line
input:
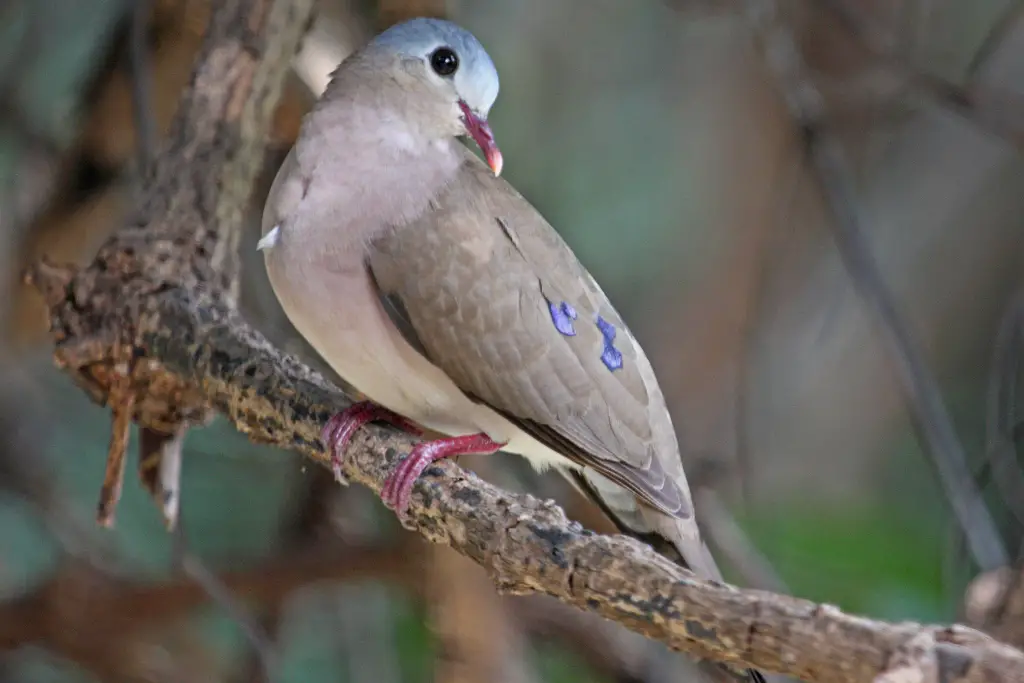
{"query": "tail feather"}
(688, 550)
(730, 673)
(676, 540)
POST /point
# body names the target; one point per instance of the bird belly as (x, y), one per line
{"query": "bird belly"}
(337, 310)
(540, 457)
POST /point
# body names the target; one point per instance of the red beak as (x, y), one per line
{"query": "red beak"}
(480, 131)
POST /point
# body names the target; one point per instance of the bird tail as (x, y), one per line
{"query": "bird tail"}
(728, 673)
(689, 552)
(678, 540)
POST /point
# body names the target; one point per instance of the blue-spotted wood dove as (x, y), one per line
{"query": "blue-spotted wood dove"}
(439, 292)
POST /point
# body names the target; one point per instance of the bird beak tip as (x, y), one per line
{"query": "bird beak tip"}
(480, 131)
(495, 161)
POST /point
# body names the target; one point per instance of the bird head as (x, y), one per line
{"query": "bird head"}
(451, 75)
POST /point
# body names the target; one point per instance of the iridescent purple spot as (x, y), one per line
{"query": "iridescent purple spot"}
(610, 356)
(562, 315)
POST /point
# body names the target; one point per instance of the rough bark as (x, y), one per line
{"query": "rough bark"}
(150, 326)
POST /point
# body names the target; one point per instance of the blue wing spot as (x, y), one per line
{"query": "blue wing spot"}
(610, 356)
(562, 315)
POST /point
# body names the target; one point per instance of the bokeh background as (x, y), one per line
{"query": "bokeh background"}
(656, 136)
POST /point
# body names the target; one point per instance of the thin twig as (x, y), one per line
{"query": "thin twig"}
(1001, 412)
(222, 595)
(735, 547)
(123, 406)
(757, 302)
(920, 388)
(934, 424)
(974, 105)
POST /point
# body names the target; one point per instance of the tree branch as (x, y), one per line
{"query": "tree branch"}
(995, 603)
(161, 292)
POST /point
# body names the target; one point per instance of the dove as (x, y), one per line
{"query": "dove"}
(440, 293)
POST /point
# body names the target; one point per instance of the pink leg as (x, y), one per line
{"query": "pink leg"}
(339, 429)
(398, 488)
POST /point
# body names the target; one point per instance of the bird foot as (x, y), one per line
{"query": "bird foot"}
(339, 430)
(398, 487)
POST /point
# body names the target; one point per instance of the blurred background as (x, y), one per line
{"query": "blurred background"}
(659, 137)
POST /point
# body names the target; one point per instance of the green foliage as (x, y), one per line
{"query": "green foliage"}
(866, 560)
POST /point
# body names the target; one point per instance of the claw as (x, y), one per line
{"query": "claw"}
(397, 490)
(340, 429)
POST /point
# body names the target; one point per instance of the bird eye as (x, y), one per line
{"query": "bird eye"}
(444, 61)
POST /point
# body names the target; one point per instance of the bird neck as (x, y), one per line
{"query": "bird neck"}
(369, 173)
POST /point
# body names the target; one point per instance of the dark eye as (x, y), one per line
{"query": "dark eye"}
(444, 61)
